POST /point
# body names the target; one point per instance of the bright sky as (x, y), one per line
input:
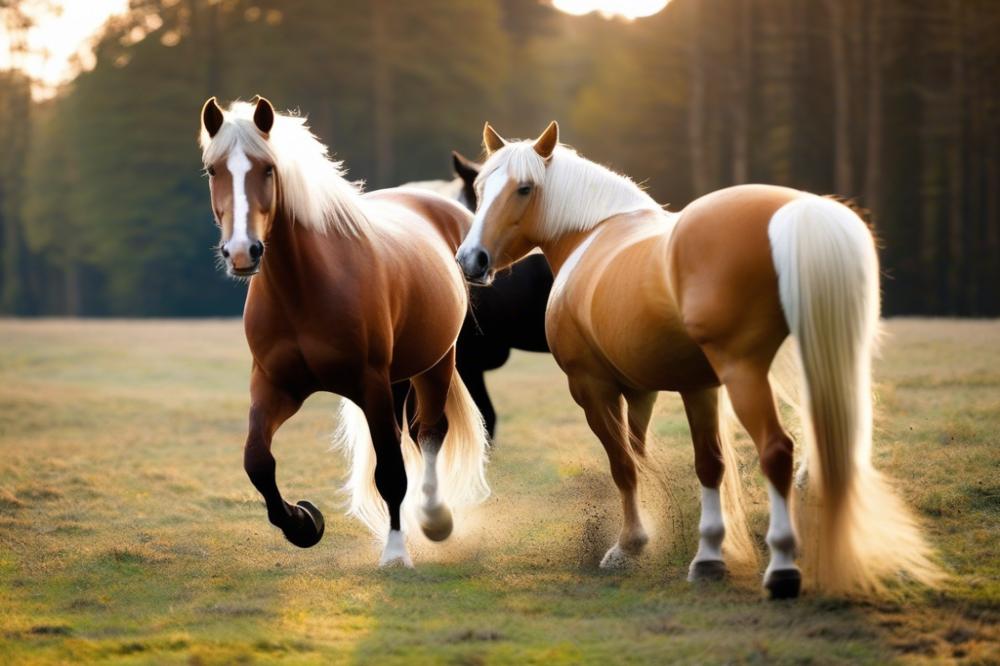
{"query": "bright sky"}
(56, 39)
(630, 9)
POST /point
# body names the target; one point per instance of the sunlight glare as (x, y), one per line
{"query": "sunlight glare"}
(629, 9)
(56, 40)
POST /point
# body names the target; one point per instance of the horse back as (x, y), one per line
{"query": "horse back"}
(450, 219)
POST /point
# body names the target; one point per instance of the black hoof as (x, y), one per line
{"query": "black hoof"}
(708, 570)
(307, 526)
(784, 583)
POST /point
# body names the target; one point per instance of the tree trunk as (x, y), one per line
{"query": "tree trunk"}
(956, 164)
(840, 62)
(383, 101)
(873, 149)
(741, 77)
(697, 107)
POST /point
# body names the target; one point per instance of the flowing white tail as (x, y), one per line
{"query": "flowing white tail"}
(461, 463)
(855, 531)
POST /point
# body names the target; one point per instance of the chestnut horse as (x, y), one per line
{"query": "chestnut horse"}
(349, 293)
(647, 301)
(509, 315)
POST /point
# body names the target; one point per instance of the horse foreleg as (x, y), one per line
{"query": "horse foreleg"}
(390, 474)
(602, 403)
(270, 406)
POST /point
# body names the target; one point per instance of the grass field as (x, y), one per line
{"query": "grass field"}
(130, 534)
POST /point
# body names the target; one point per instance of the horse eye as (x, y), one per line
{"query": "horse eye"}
(524, 190)
(269, 171)
(211, 170)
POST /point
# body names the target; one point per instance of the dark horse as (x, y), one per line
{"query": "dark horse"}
(508, 315)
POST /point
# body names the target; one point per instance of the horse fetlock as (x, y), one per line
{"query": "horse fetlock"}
(784, 542)
(633, 542)
(712, 533)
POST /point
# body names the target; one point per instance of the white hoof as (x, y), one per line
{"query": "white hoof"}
(617, 559)
(395, 554)
(436, 522)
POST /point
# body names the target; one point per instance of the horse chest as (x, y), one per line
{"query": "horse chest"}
(321, 356)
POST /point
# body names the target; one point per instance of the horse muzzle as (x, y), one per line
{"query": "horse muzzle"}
(242, 259)
(476, 264)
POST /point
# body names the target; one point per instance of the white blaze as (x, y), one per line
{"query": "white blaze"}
(494, 185)
(239, 165)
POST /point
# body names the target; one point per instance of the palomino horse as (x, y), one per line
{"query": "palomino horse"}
(509, 315)
(646, 301)
(355, 292)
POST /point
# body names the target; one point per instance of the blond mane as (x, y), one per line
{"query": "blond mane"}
(312, 188)
(576, 194)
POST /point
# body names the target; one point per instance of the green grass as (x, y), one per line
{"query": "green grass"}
(130, 534)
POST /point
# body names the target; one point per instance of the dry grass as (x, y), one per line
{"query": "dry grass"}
(129, 533)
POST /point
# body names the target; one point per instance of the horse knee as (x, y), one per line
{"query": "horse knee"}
(776, 461)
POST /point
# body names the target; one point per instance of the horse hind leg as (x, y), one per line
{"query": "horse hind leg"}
(602, 403)
(379, 410)
(432, 427)
(702, 412)
(753, 401)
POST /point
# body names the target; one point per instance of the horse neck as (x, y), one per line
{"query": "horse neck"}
(558, 250)
(292, 259)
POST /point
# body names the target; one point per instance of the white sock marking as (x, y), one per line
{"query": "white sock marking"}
(430, 486)
(711, 527)
(395, 551)
(780, 534)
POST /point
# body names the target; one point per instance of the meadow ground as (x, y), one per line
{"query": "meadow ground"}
(130, 534)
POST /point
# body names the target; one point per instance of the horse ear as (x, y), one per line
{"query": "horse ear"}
(211, 117)
(263, 115)
(464, 168)
(491, 139)
(547, 142)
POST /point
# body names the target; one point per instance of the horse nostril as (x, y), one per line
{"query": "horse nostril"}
(482, 260)
(256, 250)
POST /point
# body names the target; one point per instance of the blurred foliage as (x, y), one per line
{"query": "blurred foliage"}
(103, 210)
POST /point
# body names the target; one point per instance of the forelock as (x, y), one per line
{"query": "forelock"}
(519, 160)
(237, 129)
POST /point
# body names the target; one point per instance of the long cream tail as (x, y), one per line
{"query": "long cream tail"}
(461, 464)
(855, 531)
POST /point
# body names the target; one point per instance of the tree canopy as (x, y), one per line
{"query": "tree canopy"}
(103, 209)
